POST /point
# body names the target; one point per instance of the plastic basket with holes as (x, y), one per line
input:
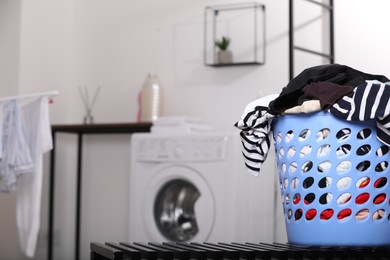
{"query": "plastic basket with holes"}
(334, 180)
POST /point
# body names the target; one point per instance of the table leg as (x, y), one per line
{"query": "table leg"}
(51, 199)
(78, 195)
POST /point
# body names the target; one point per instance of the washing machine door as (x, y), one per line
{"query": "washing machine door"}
(179, 206)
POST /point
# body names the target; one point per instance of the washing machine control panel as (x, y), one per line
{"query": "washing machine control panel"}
(182, 148)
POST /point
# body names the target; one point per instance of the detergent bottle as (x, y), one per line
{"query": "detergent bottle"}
(150, 101)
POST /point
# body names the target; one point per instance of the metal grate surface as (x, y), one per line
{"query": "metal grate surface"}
(229, 251)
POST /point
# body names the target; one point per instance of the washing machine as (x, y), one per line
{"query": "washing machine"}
(193, 187)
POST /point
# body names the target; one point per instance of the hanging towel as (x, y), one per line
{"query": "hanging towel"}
(1, 130)
(16, 160)
(36, 114)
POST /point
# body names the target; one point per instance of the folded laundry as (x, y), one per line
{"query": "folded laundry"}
(185, 128)
(176, 120)
(180, 124)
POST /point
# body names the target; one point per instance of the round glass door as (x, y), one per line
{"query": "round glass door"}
(174, 212)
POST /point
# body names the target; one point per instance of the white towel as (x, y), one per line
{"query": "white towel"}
(28, 205)
(187, 128)
(176, 120)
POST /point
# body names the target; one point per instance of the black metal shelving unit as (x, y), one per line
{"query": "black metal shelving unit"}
(292, 47)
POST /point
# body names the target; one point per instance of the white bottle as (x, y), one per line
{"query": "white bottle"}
(150, 99)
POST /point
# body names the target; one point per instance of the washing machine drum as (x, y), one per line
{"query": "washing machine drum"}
(174, 210)
(183, 206)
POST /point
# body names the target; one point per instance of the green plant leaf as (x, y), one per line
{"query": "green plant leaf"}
(223, 44)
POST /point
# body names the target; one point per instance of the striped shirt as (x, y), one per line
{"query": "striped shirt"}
(256, 134)
(368, 101)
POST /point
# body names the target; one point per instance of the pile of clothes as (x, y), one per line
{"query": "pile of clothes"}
(180, 124)
(342, 91)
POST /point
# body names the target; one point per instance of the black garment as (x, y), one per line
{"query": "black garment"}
(327, 93)
(292, 95)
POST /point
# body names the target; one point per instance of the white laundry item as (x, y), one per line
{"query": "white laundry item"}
(305, 150)
(28, 205)
(328, 181)
(304, 134)
(22, 160)
(308, 106)
(279, 138)
(344, 198)
(284, 168)
(324, 166)
(295, 183)
(344, 166)
(176, 120)
(293, 167)
(343, 150)
(289, 137)
(322, 134)
(344, 183)
(362, 182)
(187, 128)
(379, 214)
(291, 151)
(1, 129)
(362, 214)
(16, 159)
(329, 197)
(323, 150)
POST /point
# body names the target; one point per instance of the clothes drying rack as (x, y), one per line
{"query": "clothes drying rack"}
(39, 94)
(229, 251)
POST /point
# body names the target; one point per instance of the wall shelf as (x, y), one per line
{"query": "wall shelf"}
(247, 46)
(235, 64)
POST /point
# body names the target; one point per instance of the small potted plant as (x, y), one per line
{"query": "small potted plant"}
(224, 55)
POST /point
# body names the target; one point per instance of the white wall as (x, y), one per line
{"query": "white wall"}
(113, 44)
(46, 53)
(116, 44)
(9, 46)
(361, 37)
(9, 67)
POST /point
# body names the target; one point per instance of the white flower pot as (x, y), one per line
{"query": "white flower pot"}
(225, 57)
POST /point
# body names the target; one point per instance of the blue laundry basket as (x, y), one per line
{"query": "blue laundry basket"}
(333, 180)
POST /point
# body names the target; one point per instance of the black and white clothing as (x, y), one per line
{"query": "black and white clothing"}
(368, 100)
(293, 94)
(256, 134)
